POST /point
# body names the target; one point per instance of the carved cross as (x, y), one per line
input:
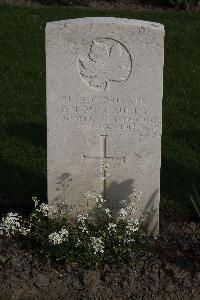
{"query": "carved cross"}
(103, 159)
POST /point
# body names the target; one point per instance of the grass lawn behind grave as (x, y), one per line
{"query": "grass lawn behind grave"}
(22, 99)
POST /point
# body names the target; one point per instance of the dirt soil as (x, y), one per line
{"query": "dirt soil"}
(169, 270)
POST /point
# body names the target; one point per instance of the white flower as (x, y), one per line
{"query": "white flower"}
(12, 223)
(96, 197)
(43, 208)
(108, 212)
(91, 195)
(64, 232)
(52, 211)
(99, 200)
(25, 231)
(131, 209)
(136, 222)
(97, 245)
(81, 218)
(59, 237)
(112, 227)
(133, 226)
(35, 200)
(127, 241)
(84, 228)
(122, 214)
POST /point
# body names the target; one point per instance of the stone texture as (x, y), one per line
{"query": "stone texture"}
(104, 104)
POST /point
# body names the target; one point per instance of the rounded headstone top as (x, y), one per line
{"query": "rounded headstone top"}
(106, 20)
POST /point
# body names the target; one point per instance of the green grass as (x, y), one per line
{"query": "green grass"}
(22, 99)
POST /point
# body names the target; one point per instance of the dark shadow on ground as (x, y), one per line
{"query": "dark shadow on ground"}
(33, 132)
(176, 184)
(17, 186)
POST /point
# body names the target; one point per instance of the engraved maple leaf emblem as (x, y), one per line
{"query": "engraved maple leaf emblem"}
(107, 65)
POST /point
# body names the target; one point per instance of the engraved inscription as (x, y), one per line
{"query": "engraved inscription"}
(107, 65)
(121, 114)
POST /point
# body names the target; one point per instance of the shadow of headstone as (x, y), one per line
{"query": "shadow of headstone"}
(118, 195)
(18, 185)
(33, 132)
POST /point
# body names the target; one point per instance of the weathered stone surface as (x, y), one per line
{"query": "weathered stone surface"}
(104, 104)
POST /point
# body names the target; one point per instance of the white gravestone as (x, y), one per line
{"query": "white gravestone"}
(104, 105)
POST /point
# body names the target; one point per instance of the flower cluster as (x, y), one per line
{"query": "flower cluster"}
(97, 245)
(88, 239)
(100, 203)
(41, 208)
(48, 210)
(95, 197)
(128, 240)
(59, 237)
(133, 225)
(122, 215)
(81, 220)
(12, 224)
(112, 227)
(108, 212)
(44, 209)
